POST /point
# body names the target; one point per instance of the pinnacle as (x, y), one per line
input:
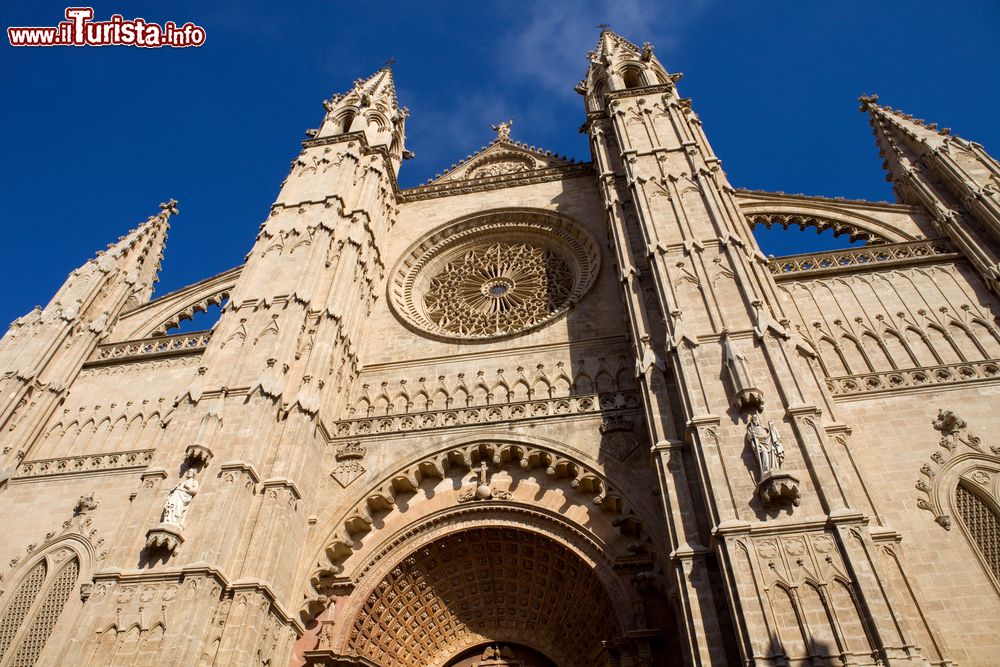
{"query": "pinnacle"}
(608, 40)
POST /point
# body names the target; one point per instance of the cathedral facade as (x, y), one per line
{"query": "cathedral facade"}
(535, 412)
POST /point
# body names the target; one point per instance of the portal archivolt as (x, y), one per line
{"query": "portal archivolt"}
(484, 586)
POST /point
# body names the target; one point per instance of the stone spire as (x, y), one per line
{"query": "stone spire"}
(617, 64)
(42, 351)
(956, 180)
(371, 107)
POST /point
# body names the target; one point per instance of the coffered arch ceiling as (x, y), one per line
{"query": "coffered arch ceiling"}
(483, 585)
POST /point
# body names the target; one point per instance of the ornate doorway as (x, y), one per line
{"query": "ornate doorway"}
(485, 596)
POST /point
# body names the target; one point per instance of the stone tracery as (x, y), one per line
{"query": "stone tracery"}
(494, 274)
(498, 289)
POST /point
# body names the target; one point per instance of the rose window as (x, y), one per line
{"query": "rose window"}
(488, 277)
(498, 289)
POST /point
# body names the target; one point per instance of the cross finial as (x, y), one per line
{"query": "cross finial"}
(867, 100)
(170, 207)
(603, 26)
(390, 62)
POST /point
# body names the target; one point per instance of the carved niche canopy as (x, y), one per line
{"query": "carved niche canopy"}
(494, 275)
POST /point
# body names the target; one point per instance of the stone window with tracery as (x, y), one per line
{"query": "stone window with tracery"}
(494, 275)
(983, 526)
(27, 620)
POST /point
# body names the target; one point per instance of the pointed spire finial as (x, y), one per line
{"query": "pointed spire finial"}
(170, 207)
(867, 101)
(503, 130)
(603, 26)
(390, 62)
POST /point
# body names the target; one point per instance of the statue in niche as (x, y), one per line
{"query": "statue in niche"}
(175, 509)
(774, 485)
(766, 443)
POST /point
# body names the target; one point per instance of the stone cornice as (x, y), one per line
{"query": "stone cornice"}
(150, 348)
(644, 90)
(206, 570)
(110, 462)
(587, 404)
(912, 380)
(502, 181)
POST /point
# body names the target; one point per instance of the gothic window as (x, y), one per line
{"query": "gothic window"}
(983, 526)
(13, 615)
(632, 77)
(35, 608)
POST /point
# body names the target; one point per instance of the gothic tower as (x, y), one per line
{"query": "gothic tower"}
(954, 179)
(534, 412)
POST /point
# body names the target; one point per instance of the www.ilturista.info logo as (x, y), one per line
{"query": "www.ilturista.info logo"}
(79, 29)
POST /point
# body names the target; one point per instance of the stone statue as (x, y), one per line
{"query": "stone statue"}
(503, 130)
(175, 509)
(766, 443)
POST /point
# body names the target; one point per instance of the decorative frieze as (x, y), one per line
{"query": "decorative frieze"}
(854, 259)
(188, 343)
(88, 463)
(914, 378)
(422, 421)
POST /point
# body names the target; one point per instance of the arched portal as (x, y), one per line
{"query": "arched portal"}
(480, 587)
(514, 595)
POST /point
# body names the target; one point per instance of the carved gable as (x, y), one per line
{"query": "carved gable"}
(501, 157)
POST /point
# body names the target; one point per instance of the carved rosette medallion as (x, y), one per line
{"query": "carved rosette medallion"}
(494, 275)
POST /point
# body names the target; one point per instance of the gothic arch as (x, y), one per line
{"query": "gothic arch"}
(159, 315)
(553, 575)
(38, 597)
(767, 209)
(966, 472)
(525, 476)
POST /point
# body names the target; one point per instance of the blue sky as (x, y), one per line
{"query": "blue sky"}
(95, 138)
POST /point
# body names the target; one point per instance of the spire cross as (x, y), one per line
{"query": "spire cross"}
(867, 101)
(390, 62)
(603, 26)
(170, 207)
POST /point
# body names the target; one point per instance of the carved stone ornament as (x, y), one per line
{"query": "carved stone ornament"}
(503, 130)
(198, 455)
(498, 655)
(962, 458)
(84, 505)
(482, 489)
(774, 486)
(748, 398)
(165, 536)
(618, 436)
(510, 273)
(349, 466)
